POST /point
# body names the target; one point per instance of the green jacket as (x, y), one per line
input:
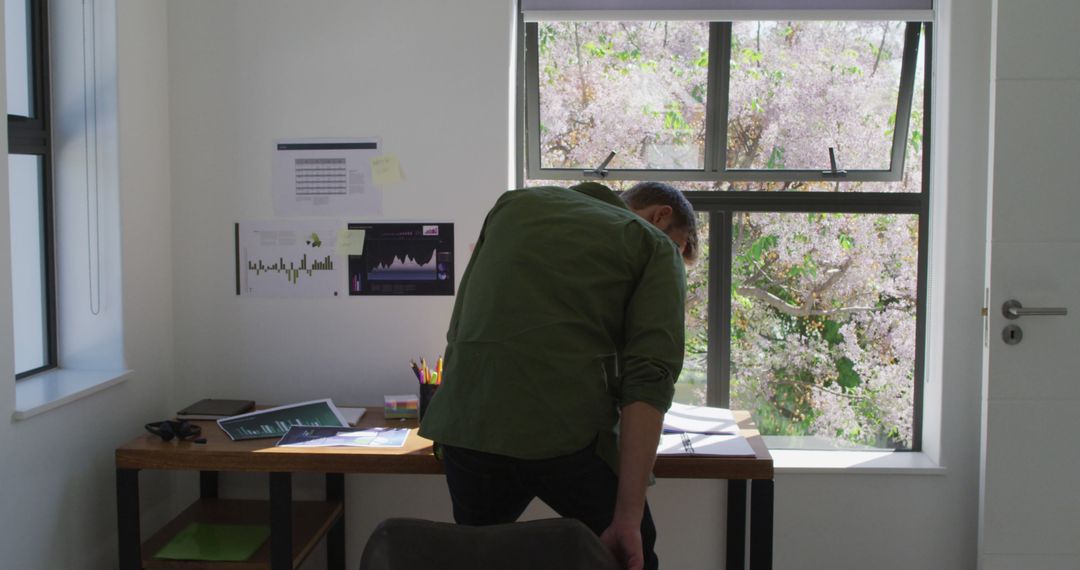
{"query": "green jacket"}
(571, 307)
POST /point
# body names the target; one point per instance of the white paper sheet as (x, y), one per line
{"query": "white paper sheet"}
(699, 419)
(290, 259)
(700, 444)
(326, 177)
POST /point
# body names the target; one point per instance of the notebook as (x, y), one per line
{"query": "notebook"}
(212, 409)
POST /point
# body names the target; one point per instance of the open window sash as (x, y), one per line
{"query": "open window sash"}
(714, 166)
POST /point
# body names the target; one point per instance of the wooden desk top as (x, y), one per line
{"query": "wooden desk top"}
(219, 453)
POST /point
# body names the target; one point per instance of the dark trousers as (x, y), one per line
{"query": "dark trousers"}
(494, 489)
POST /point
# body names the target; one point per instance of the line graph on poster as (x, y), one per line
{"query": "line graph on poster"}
(415, 258)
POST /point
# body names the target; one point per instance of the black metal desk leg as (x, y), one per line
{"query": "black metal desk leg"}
(208, 484)
(335, 539)
(761, 524)
(281, 544)
(736, 524)
(127, 518)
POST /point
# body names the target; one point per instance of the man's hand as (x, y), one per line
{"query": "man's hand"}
(624, 541)
(639, 435)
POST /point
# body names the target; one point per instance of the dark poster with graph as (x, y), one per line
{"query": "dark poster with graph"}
(403, 259)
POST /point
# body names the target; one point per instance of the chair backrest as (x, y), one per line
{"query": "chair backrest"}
(417, 544)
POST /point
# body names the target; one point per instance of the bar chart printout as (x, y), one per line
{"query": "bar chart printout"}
(289, 259)
(275, 422)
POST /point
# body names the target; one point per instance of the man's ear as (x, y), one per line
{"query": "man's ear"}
(656, 214)
(659, 214)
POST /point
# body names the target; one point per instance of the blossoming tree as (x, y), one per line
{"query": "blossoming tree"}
(823, 305)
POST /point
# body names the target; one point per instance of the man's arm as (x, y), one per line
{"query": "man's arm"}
(639, 435)
(653, 355)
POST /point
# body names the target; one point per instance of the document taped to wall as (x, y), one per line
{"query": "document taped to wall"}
(326, 177)
(287, 258)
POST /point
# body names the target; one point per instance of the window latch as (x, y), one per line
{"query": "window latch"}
(833, 171)
(599, 171)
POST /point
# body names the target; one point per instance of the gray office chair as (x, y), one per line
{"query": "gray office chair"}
(416, 544)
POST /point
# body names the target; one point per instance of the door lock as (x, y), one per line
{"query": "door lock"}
(1012, 310)
(1012, 334)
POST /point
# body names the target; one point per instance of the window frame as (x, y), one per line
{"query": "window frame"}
(720, 206)
(715, 167)
(33, 136)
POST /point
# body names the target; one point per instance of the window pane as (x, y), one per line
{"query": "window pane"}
(823, 327)
(798, 88)
(636, 88)
(691, 386)
(17, 45)
(913, 150)
(27, 262)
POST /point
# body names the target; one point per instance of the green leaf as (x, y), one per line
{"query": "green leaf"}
(776, 158)
(847, 378)
(702, 60)
(761, 245)
(831, 332)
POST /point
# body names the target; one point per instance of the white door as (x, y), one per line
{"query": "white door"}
(1030, 504)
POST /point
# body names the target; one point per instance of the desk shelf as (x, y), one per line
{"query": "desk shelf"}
(311, 521)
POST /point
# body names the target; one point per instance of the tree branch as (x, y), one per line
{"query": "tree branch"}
(881, 48)
(821, 389)
(795, 311)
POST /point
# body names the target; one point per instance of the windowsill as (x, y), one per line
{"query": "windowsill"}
(54, 388)
(795, 461)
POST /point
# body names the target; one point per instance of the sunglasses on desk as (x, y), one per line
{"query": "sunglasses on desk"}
(169, 429)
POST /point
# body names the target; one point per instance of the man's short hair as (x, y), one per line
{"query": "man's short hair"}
(645, 194)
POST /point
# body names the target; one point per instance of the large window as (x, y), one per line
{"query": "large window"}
(802, 145)
(30, 185)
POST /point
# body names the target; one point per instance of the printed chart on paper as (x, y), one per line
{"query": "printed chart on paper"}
(325, 177)
(289, 259)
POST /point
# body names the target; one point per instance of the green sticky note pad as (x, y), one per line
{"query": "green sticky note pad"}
(217, 542)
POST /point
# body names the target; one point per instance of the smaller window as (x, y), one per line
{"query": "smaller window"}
(20, 64)
(28, 262)
(30, 186)
(638, 88)
(799, 88)
(769, 101)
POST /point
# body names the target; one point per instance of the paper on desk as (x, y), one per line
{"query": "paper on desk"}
(305, 436)
(699, 419)
(704, 445)
(352, 415)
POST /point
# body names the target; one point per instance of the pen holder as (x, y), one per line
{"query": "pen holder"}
(427, 391)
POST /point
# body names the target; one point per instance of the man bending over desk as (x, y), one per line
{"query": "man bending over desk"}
(568, 318)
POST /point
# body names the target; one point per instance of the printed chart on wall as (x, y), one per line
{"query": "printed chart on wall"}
(403, 259)
(289, 259)
(326, 177)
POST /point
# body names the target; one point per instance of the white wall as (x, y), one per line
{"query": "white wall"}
(430, 78)
(57, 504)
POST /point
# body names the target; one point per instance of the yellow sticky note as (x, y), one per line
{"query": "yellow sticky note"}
(385, 170)
(350, 242)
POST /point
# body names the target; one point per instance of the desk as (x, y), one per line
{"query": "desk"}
(295, 528)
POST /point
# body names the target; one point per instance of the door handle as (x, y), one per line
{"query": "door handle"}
(1012, 309)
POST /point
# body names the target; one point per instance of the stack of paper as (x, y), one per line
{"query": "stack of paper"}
(702, 431)
(699, 419)
(303, 436)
